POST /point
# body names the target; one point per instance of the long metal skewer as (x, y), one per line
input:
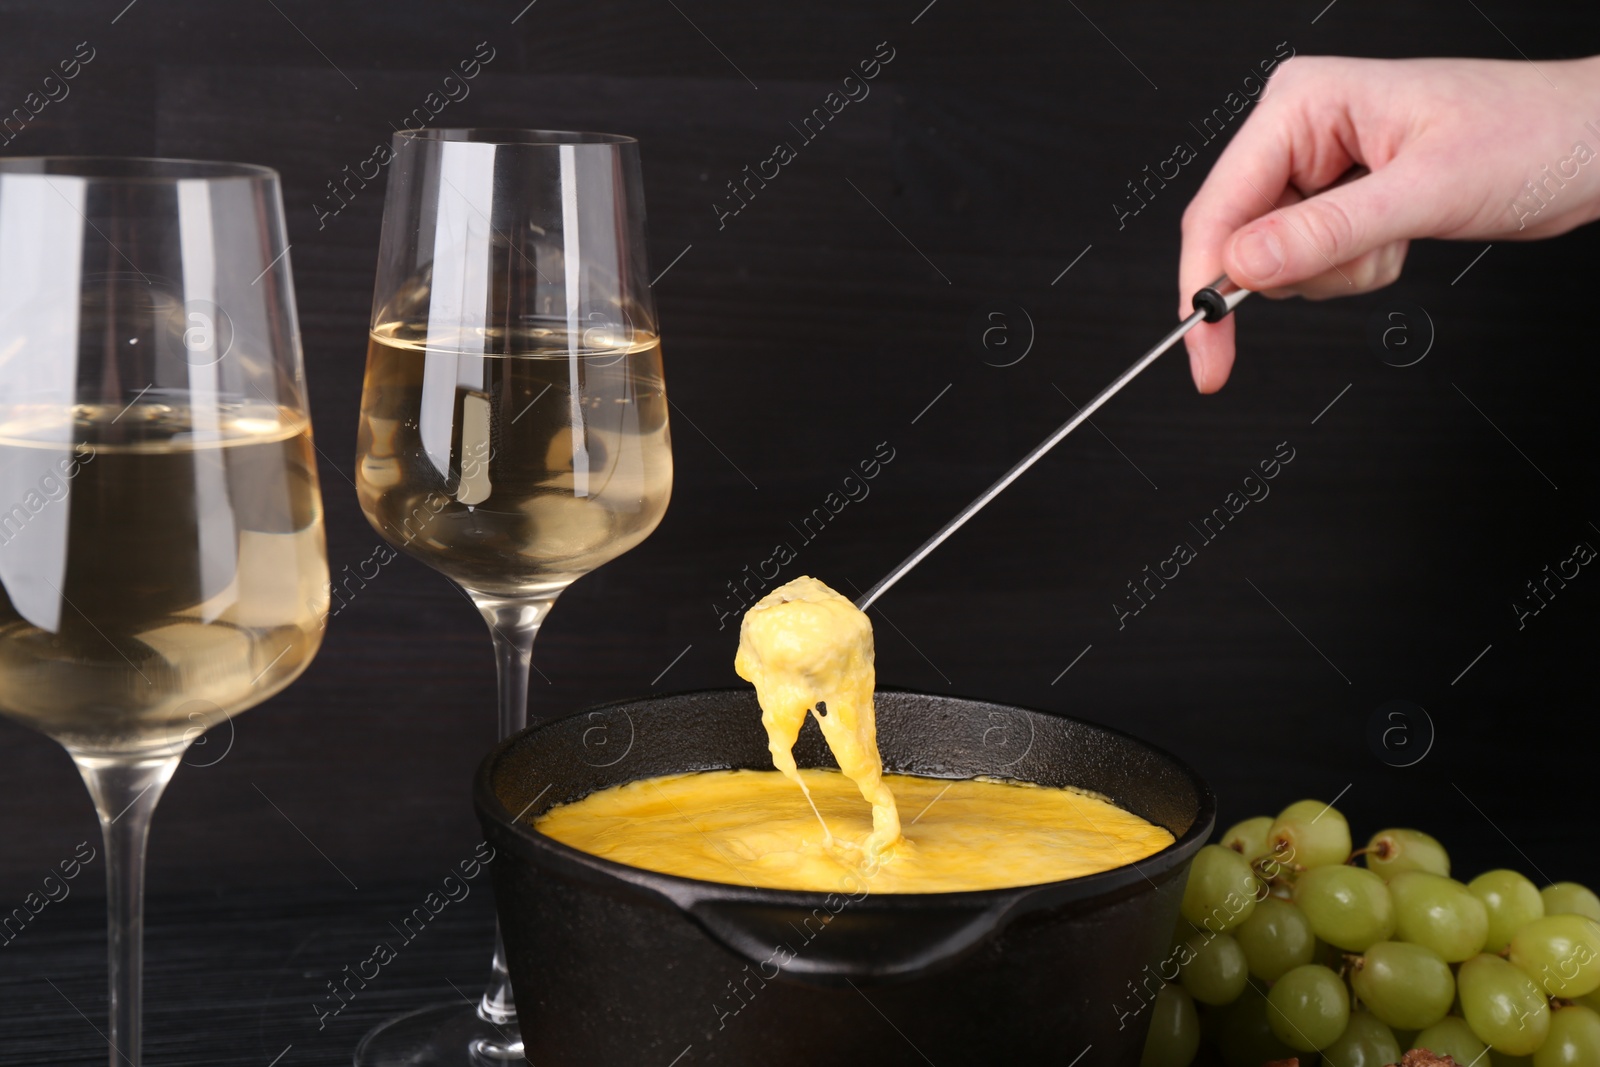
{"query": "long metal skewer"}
(1211, 304)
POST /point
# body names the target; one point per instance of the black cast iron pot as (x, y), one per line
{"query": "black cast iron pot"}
(614, 966)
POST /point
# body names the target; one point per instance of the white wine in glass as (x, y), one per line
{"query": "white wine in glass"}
(119, 635)
(497, 506)
(161, 546)
(513, 427)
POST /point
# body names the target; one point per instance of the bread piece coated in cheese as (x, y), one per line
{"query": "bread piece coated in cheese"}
(807, 649)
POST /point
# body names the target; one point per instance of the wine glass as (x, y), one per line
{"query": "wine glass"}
(161, 548)
(513, 418)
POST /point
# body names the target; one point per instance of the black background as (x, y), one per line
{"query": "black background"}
(820, 321)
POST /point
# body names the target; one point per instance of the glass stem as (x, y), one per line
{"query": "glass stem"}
(125, 792)
(514, 624)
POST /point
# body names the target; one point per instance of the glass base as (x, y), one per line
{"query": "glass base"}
(444, 1035)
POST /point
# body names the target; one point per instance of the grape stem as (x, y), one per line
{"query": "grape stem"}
(1260, 866)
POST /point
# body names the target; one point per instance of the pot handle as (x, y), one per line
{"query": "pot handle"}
(838, 941)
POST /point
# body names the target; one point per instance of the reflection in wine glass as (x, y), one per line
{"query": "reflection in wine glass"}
(513, 427)
(161, 548)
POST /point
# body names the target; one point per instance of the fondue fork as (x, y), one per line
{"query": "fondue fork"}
(1211, 304)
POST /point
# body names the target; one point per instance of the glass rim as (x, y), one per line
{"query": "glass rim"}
(509, 136)
(152, 169)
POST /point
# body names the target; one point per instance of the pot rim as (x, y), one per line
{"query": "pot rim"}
(688, 892)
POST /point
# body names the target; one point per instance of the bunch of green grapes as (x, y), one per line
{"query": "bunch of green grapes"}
(1293, 945)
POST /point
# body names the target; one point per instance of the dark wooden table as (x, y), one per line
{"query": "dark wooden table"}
(242, 978)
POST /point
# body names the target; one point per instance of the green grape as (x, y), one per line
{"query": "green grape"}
(1405, 985)
(1570, 898)
(1366, 1042)
(1511, 900)
(1392, 851)
(1348, 907)
(1591, 1000)
(1308, 1008)
(1311, 834)
(1502, 1005)
(1221, 891)
(1213, 969)
(1561, 953)
(1574, 1040)
(1439, 912)
(1249, 838)
(1244, 1036)
(1276, 939)
(1174, 1035)
(1451, 1036)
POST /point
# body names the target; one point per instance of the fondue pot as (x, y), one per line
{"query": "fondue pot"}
(614, 965)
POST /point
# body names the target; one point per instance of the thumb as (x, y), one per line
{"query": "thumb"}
(1318, 234)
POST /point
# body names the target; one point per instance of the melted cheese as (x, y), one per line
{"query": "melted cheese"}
(753, 828)
(808, 650)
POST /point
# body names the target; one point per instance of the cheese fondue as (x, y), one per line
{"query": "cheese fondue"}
(808, 651)
(753, 828)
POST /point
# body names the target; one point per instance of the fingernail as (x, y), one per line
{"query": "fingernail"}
(1261, 255)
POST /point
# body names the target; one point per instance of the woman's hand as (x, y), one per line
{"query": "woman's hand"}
(1457, 148)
